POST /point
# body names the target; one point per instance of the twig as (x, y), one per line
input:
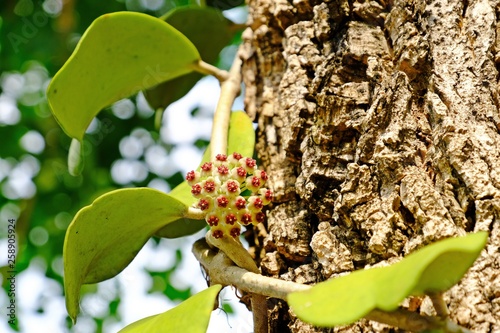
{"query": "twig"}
(405, 319)
(230, 89)
(415, 322)
(222, 270)
(439, 305)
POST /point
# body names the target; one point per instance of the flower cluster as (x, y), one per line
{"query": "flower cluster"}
(219, 186)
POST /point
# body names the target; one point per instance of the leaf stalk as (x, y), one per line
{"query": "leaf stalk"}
(205, 68)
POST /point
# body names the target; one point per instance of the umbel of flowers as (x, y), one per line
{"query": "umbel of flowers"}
(219, 186)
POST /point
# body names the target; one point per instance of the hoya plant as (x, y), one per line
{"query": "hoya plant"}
(164, 57)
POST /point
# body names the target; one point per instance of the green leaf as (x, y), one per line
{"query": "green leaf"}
(119, 54)
(209, 31)
(191, 316)
(241, 139)
(341, 301)
(104, 237)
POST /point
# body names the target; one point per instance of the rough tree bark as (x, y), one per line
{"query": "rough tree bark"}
(379, 125)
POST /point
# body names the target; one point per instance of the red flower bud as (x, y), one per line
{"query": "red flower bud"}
(246, 218)
(221, 157)
(249, 162)
(217, 234)
(222, 201)
(260, 217)
(223, 170)
(203, 204)
(232, 186)
(196, 190)
(207, 166)
(209, 186)
(231, 219)
(190, 176)
(212, 220)
(235, 232)
(240, 203)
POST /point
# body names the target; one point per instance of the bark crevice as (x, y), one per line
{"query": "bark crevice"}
(378, 124)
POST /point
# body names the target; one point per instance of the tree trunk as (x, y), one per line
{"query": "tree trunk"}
(378, 124)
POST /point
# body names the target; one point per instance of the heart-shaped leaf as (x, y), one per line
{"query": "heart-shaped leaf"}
(241, 138)
(434, 268)
(104, 237)
(209, 31)
(119, 54)
(191, 316)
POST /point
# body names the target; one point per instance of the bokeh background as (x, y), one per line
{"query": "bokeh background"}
(124, 149)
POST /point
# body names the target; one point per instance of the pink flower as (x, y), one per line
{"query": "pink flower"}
(219, 185)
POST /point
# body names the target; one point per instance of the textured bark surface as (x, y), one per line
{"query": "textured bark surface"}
(379, 126)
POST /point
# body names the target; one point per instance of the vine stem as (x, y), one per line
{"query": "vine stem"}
(230, 89)
(221, 270)
(439, 305)
(233, 249)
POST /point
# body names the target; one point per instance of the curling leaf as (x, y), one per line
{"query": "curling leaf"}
(191, 316)
(434, 268)
(104, 237)
(241, 138)
(119, 54)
